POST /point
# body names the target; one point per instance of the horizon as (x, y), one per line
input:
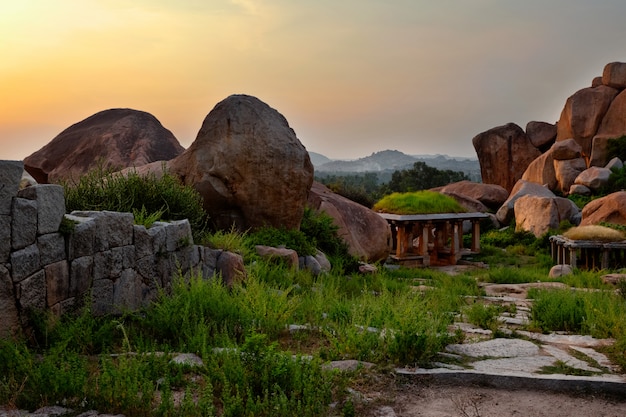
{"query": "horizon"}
(351, 78)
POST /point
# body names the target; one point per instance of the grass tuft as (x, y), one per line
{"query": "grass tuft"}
(419, 202)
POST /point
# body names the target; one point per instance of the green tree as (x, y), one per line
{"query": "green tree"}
(422, 177)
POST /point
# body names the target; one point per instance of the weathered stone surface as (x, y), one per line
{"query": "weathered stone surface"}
(27, 180)
(33, 291)
(506, 213)
(579, 190)
(558, 271)
(614, 163)
(23, 223)
(538, 215)
(491, 195)
(599, 150)
(24, 262)
(209, 259)
(81, 275)
(596, 81)
(594, 177)
(289, 256)
(51, 248)
(504, 153)
(541, 171)
(102, 297)
(178, 235)
(5, 237)
(566, 149)
(310, 264)
(541, 134)
(610, 209)
(9, 322)
(468, 203)
(496, 348)
(367, 234)
(231, 267)
(614, 75)
(614, 122)
(582, 115)
(118, 138)
(127, 292)
(248, 165)
(50, 206)
(81, 242)
(10, 175)
(567, 171)
(150, 241)
(57, 282)
(113, 229)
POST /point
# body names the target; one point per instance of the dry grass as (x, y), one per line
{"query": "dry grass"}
(594, 232)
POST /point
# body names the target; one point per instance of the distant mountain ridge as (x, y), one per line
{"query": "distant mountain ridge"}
(388, 161)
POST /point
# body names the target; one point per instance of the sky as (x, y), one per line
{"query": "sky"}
(352, 77)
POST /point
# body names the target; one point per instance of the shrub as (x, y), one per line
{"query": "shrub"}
(149, 196)
(419, 202)
(288, 238)
(594, 232)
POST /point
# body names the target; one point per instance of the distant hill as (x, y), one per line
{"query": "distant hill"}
(386, 162)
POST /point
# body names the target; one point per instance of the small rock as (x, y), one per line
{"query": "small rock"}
(188, 359)
(560, 270)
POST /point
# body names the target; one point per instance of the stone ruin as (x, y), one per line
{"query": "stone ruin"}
(102, 261)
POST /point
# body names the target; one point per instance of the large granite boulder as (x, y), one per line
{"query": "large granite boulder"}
(248, 165)
(504, 153)
(594, 178)
(541, 171)
(614, 75)
(541, 134)
(610, 209)
(491, 195)
(538, 215)
(367, 234)
(506, 213)
(115, 138)
(582, 114)
(614, 122)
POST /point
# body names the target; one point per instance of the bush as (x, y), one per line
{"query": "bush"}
(419, 202)
(149, 197)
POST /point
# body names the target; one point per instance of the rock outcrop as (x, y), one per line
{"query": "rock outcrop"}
(538, 215)
(583, 113)
(248, 165)
(506, 213)
(491, 195)
(504, 153)
(541, 134)
(610, 209)
(367, 234)
(115, 138)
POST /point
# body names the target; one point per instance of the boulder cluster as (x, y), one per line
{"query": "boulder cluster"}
(246, 162)
(540, 166)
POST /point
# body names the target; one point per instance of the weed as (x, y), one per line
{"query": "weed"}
(146, 219)
(484, 316)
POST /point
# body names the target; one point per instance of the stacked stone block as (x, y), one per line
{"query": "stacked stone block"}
(105, 262)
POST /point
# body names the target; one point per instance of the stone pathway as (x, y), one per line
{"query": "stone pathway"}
(555, 362)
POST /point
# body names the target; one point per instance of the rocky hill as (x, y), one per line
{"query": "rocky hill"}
(389, 161)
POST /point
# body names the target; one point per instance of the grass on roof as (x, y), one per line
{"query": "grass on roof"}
(594, 232)
(418, 202)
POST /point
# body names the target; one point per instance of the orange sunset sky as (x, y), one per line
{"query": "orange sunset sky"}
(351, 76)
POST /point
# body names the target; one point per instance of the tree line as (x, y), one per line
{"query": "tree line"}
(366, 188)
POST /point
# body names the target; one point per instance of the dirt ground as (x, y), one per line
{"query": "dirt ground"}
(380, 398)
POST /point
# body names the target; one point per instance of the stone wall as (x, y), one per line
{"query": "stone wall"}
(103, 260)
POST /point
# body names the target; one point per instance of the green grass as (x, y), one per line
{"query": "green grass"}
(419, 202)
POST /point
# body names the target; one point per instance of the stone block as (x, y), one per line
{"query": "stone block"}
(9, 316)
(113, 229)
(102, 297)
(57, 282)
(127, 292)
(51, 248)
(231, 267)
(209, 261)
(24, 262)
(146, 268)
(103, 266)
(10, 176)
(23, 223)
(81, 240)
(32, 293)
(185, 259)
(125, 256)
(178, 235)
(50, 203)
(150, 241)
(5, 237)
(81, 275)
